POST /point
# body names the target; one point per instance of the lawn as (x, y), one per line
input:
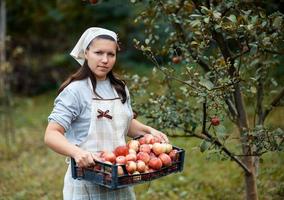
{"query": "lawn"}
(29, 170)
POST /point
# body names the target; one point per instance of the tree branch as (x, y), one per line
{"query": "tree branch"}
(231, 108)
(240, 54)
(275, 102)
(259, 100)
(274, 52)
(222, 45)
(153, 59)
(204, 116)
(228, 152)
(218, 143)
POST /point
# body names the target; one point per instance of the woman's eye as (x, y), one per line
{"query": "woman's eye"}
(98, 52)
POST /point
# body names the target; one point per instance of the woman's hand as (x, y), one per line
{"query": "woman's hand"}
(159, 135)
(84, 158)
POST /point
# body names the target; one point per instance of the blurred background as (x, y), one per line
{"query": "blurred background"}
(39, 38)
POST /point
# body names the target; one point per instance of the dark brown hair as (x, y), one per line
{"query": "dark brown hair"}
(85, 72)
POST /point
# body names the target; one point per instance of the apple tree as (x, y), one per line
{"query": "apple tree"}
(219, 61)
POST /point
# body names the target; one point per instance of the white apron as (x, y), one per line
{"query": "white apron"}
(109, 125)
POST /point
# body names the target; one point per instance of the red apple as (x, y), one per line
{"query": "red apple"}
(152, 155)
(120, 160)
(109, 156)
(142, 140)
(121, 151)
(143, 156)
(97, 166)
(173, 155)
(120, 171)
(132, 151)
(93, 1)
(131, 157)
(157, 140)
(149, 139)
(215, 121)
(155, 163)
(176, 59)
(159, 148)
(165, 158)
(141, 166)
(145, 148)
(134, 144)
(169, 147)
(108, 169)
(131, 166)
(150, 170)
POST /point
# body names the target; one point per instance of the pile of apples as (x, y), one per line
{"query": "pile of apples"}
(144, 155)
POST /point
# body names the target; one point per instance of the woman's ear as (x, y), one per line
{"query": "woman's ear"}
(86, 54)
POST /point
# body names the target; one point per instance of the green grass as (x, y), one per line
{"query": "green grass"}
(29, 170)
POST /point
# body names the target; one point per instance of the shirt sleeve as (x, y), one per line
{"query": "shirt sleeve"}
(66, 108)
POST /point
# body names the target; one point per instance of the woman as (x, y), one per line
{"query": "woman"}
(93, 113)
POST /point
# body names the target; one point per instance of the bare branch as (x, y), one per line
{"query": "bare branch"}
(240, 54)
(228, 152)
(231, 108)
(275, 102)
(259, 101)
(153, 59)
(200, 136)
(204, 116)
(274, 52)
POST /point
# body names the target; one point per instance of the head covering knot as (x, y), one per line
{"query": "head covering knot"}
(79, 50)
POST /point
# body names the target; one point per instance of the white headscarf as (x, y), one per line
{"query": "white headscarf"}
(79, 50)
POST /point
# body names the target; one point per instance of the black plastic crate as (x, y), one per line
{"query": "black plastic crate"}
(106, 174)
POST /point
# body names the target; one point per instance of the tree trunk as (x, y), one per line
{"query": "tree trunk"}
(250, 178)
(2, 44)
(6, 119)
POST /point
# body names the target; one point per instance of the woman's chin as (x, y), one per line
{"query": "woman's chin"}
(101, 77)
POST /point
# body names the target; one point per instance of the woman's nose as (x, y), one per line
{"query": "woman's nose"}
(105, 58)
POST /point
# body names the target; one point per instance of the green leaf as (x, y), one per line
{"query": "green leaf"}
(250, 27)
(253, 49)
(220, 130)
(204, 9)
(194, 43)
(147, 41)
(253, 89)
(204, 145)
(232, 18)
(195, 23)
(277, 22)
(274, 82)
(216, 15)
(206, 20)
(254, 19)
(206, 83)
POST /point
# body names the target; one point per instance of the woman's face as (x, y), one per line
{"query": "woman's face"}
(101, 57)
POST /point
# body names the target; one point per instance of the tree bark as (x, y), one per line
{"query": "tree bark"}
(2, 44)
(250, 178)
(242, 121)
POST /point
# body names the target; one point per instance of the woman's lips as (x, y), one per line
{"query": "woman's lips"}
(103, 67)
